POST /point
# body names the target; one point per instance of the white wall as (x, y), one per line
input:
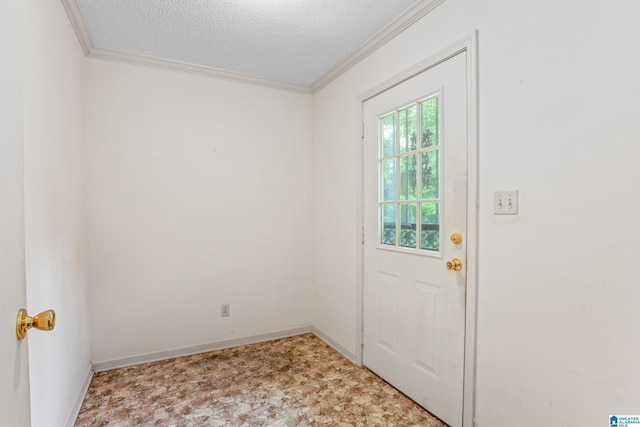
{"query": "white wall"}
(198, 194)
(54, 221)
(558, 294)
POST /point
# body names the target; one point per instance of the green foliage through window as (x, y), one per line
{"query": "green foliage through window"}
(410, 176)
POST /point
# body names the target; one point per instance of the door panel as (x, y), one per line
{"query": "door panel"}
(415, 192)
(424, 339)
(387, 311)
(14, 370)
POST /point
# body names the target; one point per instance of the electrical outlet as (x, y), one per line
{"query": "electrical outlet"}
(224, 310)
(505, 202)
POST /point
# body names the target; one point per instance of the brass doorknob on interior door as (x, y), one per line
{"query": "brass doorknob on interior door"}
(455, 264)
(456, 238)
(44, 321)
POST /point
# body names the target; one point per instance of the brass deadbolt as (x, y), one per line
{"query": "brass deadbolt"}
(44, 321)
(456, 238)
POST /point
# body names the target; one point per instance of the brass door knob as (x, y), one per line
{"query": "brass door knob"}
(44, 321)
(456, 238)
(455, 264)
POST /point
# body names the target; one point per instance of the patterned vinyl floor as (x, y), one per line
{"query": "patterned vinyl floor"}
(295, 382)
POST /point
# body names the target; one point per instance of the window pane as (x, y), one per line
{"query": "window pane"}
(403, 203)
(430, 122)
(388, 232)
(407, 119)
(408, 225)
(430, 174)
(408, 177)
(430, 227)
(389, 135)
(389, 179)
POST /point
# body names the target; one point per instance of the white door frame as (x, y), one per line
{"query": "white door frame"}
(469, 46)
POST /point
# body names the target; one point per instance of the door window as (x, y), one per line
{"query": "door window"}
(409, 176)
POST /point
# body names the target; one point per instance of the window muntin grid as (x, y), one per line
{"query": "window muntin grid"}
(410, 200)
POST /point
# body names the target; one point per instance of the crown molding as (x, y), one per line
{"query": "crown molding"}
(164, 64)
(79, 25)
(82, 33)
(404, 21)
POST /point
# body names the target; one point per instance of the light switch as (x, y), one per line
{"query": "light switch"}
(505, 202)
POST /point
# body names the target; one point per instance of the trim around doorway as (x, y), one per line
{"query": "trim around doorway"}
(469, 46)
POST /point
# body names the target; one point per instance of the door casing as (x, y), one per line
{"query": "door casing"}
(469, 46)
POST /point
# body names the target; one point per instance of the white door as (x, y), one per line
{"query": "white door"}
(415, 195)
(14, 369)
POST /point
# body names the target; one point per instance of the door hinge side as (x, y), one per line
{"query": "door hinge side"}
(362, 235)
(362, 131)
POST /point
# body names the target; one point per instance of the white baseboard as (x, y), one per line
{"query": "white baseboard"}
(331, 343)
(73, 415)
(107, 365)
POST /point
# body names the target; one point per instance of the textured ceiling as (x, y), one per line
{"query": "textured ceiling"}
(291, 41)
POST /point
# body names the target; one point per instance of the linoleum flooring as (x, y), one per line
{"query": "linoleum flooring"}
(292, 382)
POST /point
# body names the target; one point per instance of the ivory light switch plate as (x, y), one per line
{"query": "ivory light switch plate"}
(505, 202)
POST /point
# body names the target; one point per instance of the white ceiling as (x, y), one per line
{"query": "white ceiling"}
(295, 42)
